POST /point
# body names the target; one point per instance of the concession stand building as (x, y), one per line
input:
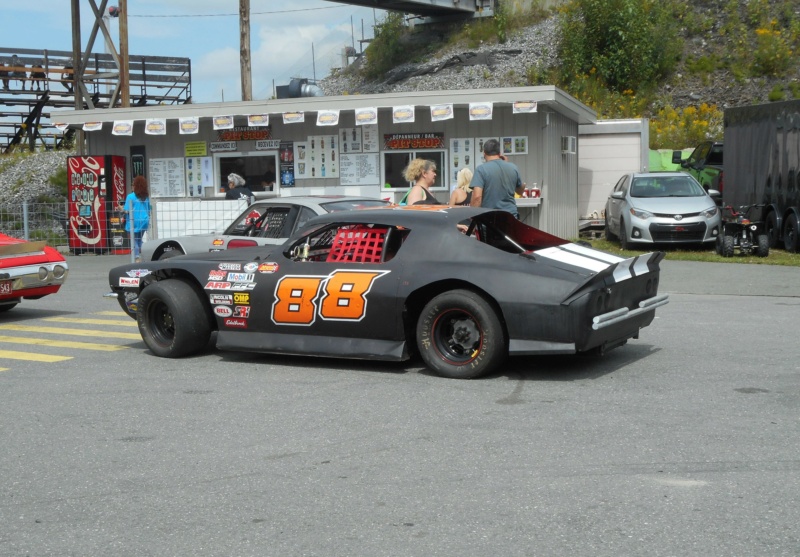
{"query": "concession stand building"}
(350, 145)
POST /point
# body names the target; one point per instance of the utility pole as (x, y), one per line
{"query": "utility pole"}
(124, 67)
(244, 40)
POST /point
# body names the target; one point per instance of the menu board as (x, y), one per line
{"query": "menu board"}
(167, 177)
(360, 169)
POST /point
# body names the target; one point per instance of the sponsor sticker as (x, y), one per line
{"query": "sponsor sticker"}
(216, 275)
(270, 267)
(242, 286)
(230, 266)
(241, 311)
(241, 298)
(250, 267)
(223, 311)
(235, 322)
(241, 277)
(212, 285)
(138, 272)
(128, 281)
(217, 299)
(217, 242)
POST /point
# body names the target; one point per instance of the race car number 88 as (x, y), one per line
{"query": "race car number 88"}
(338, 296)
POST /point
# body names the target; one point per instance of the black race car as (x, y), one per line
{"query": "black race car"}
(463, 286)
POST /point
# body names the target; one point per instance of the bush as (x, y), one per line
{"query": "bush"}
(675, 128)
(386, 50)
(630, 44)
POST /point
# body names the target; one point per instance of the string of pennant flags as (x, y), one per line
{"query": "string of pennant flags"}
(368, 115)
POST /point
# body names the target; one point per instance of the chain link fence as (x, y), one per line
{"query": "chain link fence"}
(49, 222)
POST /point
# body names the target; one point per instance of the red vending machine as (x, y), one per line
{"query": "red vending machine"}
(95, 196)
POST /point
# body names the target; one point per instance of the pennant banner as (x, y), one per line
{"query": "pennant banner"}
(190, 124)
(60, 126)
(524, 107)
(403, 114)
(122, 127)
(155, 126)
(480, 111)
(92, 126)
(366, 116)
(328, 118)
(441, 112)
(294, 117)
(223, 122)
(258, 120)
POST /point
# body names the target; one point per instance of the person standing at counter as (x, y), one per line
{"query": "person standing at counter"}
(495, 181)
(236, 189)
(137, 210)
(423, 173)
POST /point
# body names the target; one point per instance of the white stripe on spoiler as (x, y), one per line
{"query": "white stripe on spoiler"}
(594, 260)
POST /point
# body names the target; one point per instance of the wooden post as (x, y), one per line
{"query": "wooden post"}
(124, 68)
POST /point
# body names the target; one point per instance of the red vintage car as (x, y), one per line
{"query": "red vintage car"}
(28, 270)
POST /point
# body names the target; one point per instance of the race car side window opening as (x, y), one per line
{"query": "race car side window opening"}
(349, 243)
(394, 162)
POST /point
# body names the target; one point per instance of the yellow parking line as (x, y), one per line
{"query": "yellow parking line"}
(118, 312)
(128, 322)
(3, 369)
(73, 332)
(14, 355)
(63, 343)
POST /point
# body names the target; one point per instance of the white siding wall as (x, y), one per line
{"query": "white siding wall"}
(608, 150)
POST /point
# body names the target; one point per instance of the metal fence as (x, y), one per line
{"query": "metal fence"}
(50, 222)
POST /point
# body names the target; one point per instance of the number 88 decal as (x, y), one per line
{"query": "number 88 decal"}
(340, 296)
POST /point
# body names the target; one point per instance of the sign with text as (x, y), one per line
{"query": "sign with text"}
(433, 140)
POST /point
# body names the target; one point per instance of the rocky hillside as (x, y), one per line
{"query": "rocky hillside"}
(495, 65)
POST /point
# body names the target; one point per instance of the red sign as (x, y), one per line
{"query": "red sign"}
(244, 134)
(396, 141)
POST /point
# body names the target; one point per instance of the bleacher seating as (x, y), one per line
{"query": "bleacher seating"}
(152, 80)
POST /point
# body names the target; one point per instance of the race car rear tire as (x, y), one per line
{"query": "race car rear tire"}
(459, 335)
(172, 319)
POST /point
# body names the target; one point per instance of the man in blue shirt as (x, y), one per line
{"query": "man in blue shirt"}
(495, 181)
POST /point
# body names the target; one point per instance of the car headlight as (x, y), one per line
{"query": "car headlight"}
(710, 212)
(640, 214)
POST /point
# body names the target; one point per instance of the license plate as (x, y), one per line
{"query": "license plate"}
(5, 287)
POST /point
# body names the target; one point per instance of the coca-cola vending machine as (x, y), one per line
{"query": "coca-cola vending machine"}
(96, 194)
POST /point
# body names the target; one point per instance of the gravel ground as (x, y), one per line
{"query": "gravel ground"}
(26, 177)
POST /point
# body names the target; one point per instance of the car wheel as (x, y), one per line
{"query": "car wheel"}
(790, 239)
(171, 253)
(127, 301)
(728, 243)
(624, 243)
(5, 307)
(773, 233)
(460, 336)
(609, 235)
(172, 319)
(763, 245)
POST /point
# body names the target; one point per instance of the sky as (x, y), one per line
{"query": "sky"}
(283, 35)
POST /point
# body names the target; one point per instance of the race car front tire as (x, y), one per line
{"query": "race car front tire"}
(459, 335)
(172, 319)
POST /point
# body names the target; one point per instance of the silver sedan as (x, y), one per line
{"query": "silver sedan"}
(661, 208)
(271, 221)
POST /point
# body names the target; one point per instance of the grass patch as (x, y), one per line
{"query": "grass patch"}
(703, 254)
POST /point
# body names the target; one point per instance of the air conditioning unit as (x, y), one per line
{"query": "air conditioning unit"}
(569, 145)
